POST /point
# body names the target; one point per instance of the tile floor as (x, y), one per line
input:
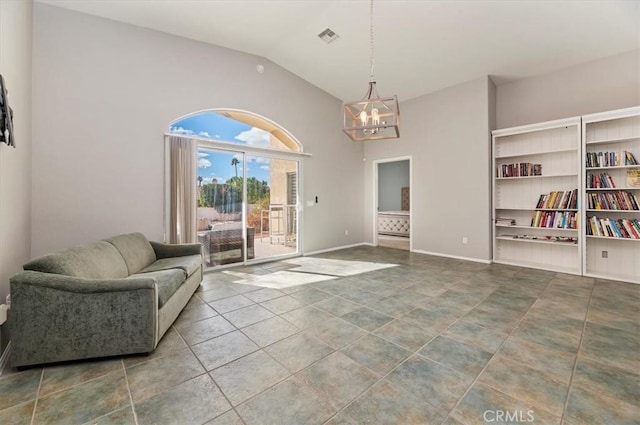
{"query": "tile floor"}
(432, 341)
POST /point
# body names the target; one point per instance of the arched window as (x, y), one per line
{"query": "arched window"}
(237, 127)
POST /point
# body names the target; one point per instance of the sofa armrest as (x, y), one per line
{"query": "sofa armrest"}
(164, 250)
(57, 318)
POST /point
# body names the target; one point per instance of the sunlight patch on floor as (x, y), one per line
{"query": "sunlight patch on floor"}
(278, 280)
(334, 267)
(309, 270)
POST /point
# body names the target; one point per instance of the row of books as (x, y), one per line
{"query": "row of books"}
(600, 181)
(622, 228)
(503, 221)
(554, 219)
(567, 199)
(615, 200)
(610, 159)
(520, 169)
(605, 181)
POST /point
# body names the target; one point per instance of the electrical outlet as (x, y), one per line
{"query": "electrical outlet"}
(346, 232)
(605, 254)
(8, 301)
(465, 240)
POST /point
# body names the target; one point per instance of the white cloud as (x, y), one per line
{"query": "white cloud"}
(217, 136)
(202, 154)
(258, 160)
(255, 137)
(204, 163)
(264, 167)
(180, 130)
(204, 134)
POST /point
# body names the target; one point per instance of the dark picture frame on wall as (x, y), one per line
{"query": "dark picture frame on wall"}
(6, 117)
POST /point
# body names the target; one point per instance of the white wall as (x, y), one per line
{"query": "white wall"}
(392, 177)
(447, 135)
(15, 164)
(104, 94)
(602, 85)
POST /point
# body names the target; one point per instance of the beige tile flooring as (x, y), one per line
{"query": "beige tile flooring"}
(431, 341)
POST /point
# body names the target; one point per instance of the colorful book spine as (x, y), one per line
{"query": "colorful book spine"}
(623, 228)
(616, 200)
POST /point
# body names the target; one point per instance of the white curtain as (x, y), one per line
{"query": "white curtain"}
(182, 189)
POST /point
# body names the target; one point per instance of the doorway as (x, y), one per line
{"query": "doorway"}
(392, 203)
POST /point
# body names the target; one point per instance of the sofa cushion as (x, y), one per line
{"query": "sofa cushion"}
(99, 260)
(168, 282)
(188, 264)
(135, 249)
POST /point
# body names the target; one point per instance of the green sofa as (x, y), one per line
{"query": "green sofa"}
(109, 298)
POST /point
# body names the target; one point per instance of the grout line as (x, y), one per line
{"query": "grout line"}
(382, 377)
(575, 363)
(126, 380)
(35, 405)
(496, 352)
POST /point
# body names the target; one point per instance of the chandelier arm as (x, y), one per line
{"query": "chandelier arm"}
(371, 36)
(372, 118)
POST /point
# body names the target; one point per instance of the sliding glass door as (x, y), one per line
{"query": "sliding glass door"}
(272, 205)
(247, 206)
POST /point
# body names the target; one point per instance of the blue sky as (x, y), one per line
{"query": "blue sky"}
(217, 164)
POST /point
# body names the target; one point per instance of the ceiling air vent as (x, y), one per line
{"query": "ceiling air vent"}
(328, 36)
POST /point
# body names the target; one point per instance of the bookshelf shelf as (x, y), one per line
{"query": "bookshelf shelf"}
(555, 147)
(613, 140)
(610, 257)
(536, 228)
(611, 211)
(539, 241)
(518, 208)
(612, 167)
(518, 155)
(604, 189)
(613, 239)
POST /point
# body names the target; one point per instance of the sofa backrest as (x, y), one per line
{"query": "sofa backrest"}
(99, 260)
(135, 249)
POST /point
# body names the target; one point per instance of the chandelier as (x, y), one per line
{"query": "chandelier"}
(373, 117)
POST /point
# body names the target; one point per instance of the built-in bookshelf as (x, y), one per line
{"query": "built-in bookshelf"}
(537, 170)
(611, 190)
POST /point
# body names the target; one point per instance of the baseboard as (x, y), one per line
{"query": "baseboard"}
(456, 257)
(337, 248)
(5, 358)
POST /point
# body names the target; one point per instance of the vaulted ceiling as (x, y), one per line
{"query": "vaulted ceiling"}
(420, 45)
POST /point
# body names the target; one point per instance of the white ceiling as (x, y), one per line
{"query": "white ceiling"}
(420, 45)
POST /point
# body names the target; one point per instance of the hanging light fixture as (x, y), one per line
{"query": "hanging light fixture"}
(373, 117)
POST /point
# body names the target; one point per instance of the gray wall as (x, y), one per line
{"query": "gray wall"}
(15, 164)
(602, 85)
(392, 177)
(104, 94)
(446, 134)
